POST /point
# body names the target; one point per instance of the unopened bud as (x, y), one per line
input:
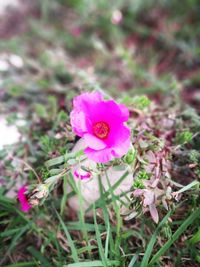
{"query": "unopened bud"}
(40, 192)
(130, 156)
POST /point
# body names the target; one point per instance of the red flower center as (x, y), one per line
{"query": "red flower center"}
(101, 129)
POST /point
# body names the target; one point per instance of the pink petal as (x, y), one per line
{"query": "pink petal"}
(124, 112)
(121, 147)
(93, 142)
(107, 111)
(82, 176)
(101, 156)
(108, 153)
(119, 133)
(79, 123)
(124, 143)
(84, 99)
(25, 206)
(154, 213)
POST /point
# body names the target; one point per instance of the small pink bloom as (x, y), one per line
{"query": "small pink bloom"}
(82, 175)
(101, 124)
(25, 206)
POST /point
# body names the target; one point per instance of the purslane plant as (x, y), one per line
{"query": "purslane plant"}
(108, 146)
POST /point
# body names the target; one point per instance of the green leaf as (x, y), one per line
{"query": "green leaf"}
(184, 137)
(89, 226)
(10, 232)
(71, 242)
(54, 161)
(64, 197)
(17, 237)
(187, 187)
(110, 191)
(40, 110)
(93, 264)
(195, 239)
(37, 255)
(16, 90)
(152, 241)
(63, 159)
(133, 260)
(98, 236)
(138, 102)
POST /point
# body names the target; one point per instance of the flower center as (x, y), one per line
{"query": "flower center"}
(101, 129)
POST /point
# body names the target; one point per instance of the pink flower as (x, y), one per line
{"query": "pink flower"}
(101, 124)
(25, 206)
